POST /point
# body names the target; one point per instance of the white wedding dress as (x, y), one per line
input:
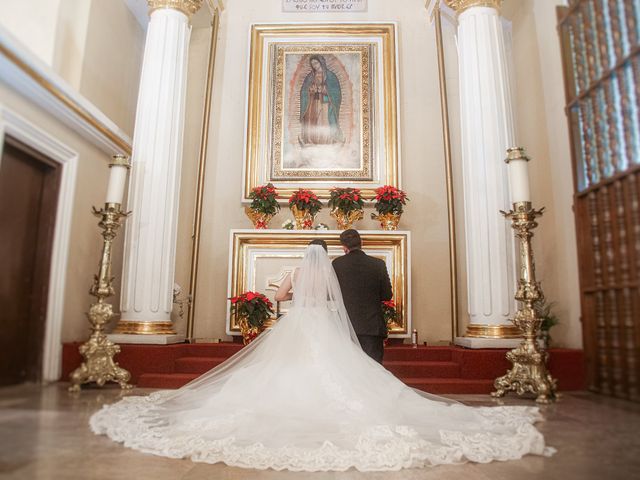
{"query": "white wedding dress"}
(305, 397)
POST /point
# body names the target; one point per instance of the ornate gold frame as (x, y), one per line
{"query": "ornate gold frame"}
(255, 166)
(397, 242)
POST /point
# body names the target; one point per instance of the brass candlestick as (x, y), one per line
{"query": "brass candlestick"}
(98, 352)
(529, 372)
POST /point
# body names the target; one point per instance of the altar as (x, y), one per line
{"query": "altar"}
(259, 260)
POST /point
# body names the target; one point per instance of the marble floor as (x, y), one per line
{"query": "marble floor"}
(44, 435)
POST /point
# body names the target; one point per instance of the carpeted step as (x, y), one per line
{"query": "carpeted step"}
(427, 354)
(165, 380)
(220, 350)
(417, 369)
(197, 365)
(450, 385)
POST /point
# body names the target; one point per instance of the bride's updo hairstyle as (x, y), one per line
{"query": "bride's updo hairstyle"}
(319, 241)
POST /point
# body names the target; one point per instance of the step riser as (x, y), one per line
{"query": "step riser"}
(406, 355)
(425, 371)
(195, 367)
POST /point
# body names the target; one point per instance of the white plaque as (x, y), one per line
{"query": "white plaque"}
(324, 6)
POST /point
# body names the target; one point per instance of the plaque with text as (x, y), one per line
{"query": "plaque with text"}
(324, 6)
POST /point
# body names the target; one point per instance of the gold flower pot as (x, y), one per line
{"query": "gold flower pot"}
(346, 219)
(249, 332)
(388, 221)
(260, 220)
(303, 218)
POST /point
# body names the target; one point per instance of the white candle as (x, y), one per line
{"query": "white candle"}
(518, 175)
(117, 181)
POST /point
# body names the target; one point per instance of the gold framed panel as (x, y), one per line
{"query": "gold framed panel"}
(249, 247)
(369, 50)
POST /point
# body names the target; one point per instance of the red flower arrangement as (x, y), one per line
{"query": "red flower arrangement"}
(345, 199)
(253, 306)
(304, 199)
(389, 312)
(390, 199)
(264, 199)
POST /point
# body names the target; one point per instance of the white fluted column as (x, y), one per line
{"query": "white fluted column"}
(150, 240)
(487, 121)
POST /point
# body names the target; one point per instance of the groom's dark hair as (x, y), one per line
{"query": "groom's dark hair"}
(351, 239)
(319, 241)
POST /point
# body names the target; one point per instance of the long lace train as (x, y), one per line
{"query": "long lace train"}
(303, 396)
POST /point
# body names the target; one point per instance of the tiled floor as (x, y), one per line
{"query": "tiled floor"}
(44, 435)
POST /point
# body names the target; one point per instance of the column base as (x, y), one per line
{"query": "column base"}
(124, 338)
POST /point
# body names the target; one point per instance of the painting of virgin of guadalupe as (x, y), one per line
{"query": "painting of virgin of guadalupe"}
(324, 129)
(322, 107)
(320, 100)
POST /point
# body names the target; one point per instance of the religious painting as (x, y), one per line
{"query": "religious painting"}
(261, 259)
(324, 130)
(321, 107)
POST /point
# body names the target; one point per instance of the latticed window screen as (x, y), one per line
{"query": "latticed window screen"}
(601, 55)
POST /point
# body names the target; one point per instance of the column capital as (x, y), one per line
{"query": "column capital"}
(461, 5)
(188, 7)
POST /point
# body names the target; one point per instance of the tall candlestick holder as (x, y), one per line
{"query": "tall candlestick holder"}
(529, 372)
(98, 352)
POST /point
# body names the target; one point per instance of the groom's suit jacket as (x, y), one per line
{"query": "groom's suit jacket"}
(364, 282)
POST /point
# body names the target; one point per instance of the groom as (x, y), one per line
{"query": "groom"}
(365, 284)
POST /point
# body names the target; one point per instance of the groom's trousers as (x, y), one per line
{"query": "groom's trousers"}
(373, 346)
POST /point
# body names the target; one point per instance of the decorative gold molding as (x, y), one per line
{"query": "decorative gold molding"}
(281, 243)
(448, 163)
(188, 7)
(516, 153)
(475, 330)
(119, 160)
(63, 98)
(145, 328)
(461, 5)
(202, 164)
(258, 74)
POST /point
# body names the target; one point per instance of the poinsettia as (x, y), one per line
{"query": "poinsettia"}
(346, 199)
(253, 306)
(390, 199)
(264, 199)
(389, 311)
(305, 199)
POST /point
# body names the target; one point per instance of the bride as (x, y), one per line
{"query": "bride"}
(304, 397)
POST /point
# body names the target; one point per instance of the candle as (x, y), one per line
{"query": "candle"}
(117, 179)
(518, 164)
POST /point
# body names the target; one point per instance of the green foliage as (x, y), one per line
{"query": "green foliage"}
(346, 199)
(253, 306)
(264, 199)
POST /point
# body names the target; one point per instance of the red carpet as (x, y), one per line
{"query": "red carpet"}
(432, 369)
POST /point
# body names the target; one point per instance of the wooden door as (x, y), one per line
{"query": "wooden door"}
(601, 56)
(29, 187)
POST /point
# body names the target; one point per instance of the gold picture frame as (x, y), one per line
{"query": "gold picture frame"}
(322, 107)
(257, 257)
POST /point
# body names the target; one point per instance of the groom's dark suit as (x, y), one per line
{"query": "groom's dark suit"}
(365, 284)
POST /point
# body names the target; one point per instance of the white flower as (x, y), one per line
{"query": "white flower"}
(288, 224)
(321, 226)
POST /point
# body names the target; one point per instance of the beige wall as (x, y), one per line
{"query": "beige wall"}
(90, 189)
(94, 45)
(422, 160)
(112, 61)
(542, 129)
(34, 24)
(541, 124)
